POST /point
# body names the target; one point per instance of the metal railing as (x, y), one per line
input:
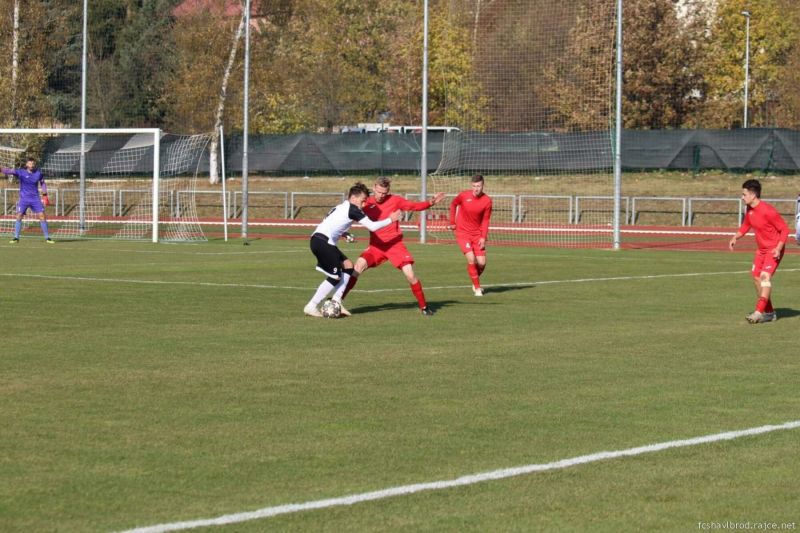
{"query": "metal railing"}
(640, 199)
(578, 212)
(290, 204)
(233, 212)
(522, 205)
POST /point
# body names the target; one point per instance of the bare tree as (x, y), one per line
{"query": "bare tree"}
(213, 176)
(14, 61)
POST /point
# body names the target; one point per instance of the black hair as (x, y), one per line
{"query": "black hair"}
(358, 189)
(753, 186)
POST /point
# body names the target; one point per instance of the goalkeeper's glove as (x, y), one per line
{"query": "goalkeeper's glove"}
(45, 200)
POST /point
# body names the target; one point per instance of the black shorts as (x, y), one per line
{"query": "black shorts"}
(329, 257)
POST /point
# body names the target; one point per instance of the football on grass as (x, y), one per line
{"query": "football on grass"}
(331, 309)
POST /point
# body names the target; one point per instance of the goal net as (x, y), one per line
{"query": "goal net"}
(138, 184)
(534, 116)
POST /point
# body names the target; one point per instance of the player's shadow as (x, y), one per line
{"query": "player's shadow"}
(436, 305)
(506, 288)
(785, 312)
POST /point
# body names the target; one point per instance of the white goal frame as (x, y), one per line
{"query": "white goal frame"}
(156, 134)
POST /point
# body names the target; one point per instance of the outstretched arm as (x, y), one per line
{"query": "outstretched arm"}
(408, 205)
(375, 225)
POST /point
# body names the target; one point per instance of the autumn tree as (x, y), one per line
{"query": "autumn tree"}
(514, 44)
(24, 50)
(204, 42)
(663, 57)
(787, 86)
(454, 96)
(663, 78)
(338, 50)
(772, 36)
(281, 79)
(577, 85)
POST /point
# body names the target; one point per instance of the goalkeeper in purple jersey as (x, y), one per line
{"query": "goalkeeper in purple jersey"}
(29, 179)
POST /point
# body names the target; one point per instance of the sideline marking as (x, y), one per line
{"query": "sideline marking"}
(471, 479)
(440, 287)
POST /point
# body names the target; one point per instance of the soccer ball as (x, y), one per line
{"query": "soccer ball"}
(331, 309)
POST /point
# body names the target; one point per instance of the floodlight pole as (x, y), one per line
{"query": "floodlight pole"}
(423, 162)
(618, 133)
(746, 15)
(82, 182)
(245, 136)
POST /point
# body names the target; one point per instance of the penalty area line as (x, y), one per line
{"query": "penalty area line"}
(470, 479)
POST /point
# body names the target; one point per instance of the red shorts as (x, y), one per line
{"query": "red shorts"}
(397, 254)
(469, 243)
(765, 262)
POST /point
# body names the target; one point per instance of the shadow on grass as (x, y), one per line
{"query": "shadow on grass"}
(437, 306)
(506, 288)
(785, 312)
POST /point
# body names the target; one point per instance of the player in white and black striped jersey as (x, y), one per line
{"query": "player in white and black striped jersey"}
(330, 260)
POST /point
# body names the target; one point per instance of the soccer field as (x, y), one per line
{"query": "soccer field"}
(145, 385)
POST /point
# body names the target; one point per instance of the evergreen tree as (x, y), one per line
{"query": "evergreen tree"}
(132, 57)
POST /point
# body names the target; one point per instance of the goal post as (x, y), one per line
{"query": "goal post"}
(122, 183)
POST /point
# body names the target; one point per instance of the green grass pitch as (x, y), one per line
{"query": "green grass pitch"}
(146, 384)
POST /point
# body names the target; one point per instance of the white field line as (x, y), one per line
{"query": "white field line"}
(152, 282)
(427, 288)
(470, 479)
(584, 280)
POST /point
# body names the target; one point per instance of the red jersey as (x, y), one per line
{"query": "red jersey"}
(768, 225)
(473, 213)
(377, 211)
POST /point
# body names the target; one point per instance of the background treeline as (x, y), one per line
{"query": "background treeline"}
(316, 64)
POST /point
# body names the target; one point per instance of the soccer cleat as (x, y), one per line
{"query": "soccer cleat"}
(756, 317)
(311, 310)
(343, 311)
(49, 241)
(14, 241)
(478, 291)
(426, 311)
(770, 316)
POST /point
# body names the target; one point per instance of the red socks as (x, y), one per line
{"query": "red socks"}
(761, 305)
(474, 275)
(416, 288)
